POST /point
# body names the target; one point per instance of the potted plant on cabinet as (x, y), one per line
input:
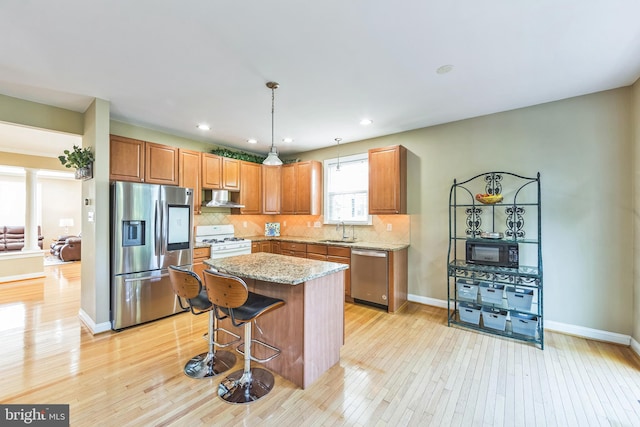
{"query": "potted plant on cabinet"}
(79, 158)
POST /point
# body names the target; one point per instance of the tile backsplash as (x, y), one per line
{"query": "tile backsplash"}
(384, 228)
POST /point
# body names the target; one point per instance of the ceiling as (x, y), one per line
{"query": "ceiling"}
(171, 65)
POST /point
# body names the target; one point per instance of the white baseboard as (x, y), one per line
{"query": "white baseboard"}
(427, 301)
(635, 346)
(95, 328)
(22, 277)
(580, 331)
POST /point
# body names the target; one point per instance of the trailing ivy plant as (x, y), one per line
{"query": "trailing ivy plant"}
(240, 155)
(77, 158)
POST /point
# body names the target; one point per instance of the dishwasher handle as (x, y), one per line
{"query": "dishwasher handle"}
(377, 254)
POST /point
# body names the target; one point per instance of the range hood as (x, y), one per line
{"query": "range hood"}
(220, 199)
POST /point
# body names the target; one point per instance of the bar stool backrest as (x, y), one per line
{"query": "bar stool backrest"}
(225, 290)
(187, 285)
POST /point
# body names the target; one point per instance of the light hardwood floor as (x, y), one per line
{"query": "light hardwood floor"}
(403, 369)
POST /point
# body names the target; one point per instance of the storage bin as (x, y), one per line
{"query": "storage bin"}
(519, 298)
(469, 312)
(524, 324)
(467, 289)
(491, 293)
(494, 318)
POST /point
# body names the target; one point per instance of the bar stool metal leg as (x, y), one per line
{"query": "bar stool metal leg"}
(211, 363)
(248, 384)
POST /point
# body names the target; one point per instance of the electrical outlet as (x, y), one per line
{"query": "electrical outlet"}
(244, 224)
(389, 227)
(284, 223)
(317, 224)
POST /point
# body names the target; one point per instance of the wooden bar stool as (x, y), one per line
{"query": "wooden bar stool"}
(231, 297)
(187, 285)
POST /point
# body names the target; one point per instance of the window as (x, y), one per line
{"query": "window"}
(346, 194)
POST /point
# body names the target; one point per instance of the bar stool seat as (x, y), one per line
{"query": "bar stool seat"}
(231, 298)
(188, 286)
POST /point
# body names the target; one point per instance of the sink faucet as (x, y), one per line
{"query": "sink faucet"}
(344, 231)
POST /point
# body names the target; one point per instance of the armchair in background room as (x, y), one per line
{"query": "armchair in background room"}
(67, 248)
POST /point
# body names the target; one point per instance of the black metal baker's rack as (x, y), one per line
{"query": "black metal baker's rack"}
(518, 218)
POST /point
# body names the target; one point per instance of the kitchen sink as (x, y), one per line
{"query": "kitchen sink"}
(337, 241)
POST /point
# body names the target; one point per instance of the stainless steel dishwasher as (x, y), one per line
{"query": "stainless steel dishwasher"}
(369, 277)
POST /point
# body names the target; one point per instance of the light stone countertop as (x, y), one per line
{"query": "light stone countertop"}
(275, 268)
(356, 244)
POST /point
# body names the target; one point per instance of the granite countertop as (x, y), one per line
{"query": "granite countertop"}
(356, 244)
(275, 268)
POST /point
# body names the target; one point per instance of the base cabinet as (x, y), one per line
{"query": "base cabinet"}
(199, 255)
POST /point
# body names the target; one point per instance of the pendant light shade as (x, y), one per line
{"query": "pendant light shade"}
(272, 158)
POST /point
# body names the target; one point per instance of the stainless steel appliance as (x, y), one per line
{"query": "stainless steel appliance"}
(369, 277)
(150, 230)
(498, 253)
(222, 240)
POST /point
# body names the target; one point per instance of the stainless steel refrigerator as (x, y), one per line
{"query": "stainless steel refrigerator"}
(150, 230)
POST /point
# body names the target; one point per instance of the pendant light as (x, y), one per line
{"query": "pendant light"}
(338, 144)
(272, 158)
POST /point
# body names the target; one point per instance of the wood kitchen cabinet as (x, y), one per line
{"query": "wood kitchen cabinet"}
(293, 249)
(302, 188)
(161, 164)
(261, 246)
(388, 180)
(318, 252)
(276, 247)
(231, 176)
(126, 159)
(141, 161)
(271, 189)
(220, 173)
(199, 256)
(211, 171)
(342, 255)
(189, 175)
(251, 190)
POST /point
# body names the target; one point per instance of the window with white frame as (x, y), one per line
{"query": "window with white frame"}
(346, 190)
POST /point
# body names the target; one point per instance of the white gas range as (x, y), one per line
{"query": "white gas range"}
(222, 240)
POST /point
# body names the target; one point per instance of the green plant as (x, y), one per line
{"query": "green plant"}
(239, 155)
(77, 158)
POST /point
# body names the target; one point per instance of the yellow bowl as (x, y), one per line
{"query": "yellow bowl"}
(489, 200)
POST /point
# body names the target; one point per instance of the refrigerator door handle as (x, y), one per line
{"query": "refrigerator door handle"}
(138, 279)
(157, 230)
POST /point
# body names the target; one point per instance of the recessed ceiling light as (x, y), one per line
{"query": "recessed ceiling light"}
(204, 126)
(287, 139)
(252, 141)
(366, 122)
(444, 69)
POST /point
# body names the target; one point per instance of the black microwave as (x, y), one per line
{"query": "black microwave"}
(498, 253)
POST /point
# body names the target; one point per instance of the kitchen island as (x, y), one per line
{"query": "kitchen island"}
(309, 328)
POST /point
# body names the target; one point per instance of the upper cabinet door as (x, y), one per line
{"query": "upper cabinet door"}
(388, 180)
(211, 171)
(161, 165)
(230, 174)
(189, 175)
(126, 159)
(271, 189)
(251, 190)
(302, 188)
(288, 199)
